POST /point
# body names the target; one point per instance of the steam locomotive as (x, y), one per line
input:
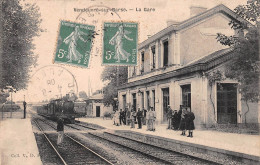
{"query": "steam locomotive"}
(59, 108)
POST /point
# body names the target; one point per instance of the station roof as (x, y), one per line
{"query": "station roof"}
(218, 9)
(98, 96)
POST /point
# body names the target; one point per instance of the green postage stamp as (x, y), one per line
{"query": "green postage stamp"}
(120, 41)
(74, 43)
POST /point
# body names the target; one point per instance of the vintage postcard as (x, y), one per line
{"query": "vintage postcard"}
(129, 82)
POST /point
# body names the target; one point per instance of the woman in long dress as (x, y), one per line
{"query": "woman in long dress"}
(183, 121)
(117, 115)
(73, 53)
(116, 40)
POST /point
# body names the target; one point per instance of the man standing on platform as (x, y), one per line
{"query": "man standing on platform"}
(60, 130)
(121, 117)
(153, 119)
(132, 118)
(128, 115)
(139, 116)
(190, 122)
(144, 116)
(24, 107)
(169, 117)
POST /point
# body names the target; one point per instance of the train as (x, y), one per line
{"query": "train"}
(60, 108)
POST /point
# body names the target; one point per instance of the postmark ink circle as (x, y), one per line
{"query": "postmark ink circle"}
(51, 82)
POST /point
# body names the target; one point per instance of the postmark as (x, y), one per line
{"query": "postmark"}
(51, 82)
(120, 41)
(74, 43)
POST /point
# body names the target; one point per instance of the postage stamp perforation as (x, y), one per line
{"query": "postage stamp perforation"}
(83, 29)
(137, 41)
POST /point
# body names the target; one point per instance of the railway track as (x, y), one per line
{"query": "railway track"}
(72, 151)
(80, 126)
(155, 152)
(158, 154)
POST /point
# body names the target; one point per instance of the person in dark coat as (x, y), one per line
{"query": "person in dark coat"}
(121, 116)
(175, 123)
(144, 116)
(60, 130)
(189, 122)
(183, 121)
(24, 107)
(124, 116)
(179, 117)
(139, 116)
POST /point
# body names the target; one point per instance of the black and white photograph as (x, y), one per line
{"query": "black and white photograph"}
(121, 82)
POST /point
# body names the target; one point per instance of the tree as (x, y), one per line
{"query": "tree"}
(212, 79)
(115, 76)
(244, 67)
(83, 95)
(20, 24)
(3, 96)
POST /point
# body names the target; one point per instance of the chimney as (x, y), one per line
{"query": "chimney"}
(195, 10)
(172, 22)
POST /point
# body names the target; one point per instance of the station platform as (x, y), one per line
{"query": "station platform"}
(17, 142)
(240, 145)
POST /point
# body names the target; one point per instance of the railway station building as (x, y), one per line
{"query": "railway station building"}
(172, 69)
(95, 106)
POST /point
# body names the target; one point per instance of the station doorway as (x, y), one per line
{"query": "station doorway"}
(97, 111)
(226, 103)
(166, 102)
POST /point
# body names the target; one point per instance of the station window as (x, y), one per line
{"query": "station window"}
(165, 53)
(142, 94)
(186, 95)
(134, 72)
(134, 101)
(147, 99)
(124, 101)
(153, 92)
(153, 57)
(142, 62)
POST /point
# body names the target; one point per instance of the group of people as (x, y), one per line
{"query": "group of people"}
(182, 120)
(177, 120)
(131, 117)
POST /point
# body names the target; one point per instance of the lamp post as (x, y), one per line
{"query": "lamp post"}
(139, 92)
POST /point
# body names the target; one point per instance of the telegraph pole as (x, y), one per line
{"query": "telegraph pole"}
(11, 104)
(117, 76)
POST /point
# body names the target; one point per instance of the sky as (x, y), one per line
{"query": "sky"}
(150, 22)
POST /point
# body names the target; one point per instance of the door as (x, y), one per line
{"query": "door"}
(97, 111)
(227, 103)
(147, 99)
(166, 102)
(134, 101)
